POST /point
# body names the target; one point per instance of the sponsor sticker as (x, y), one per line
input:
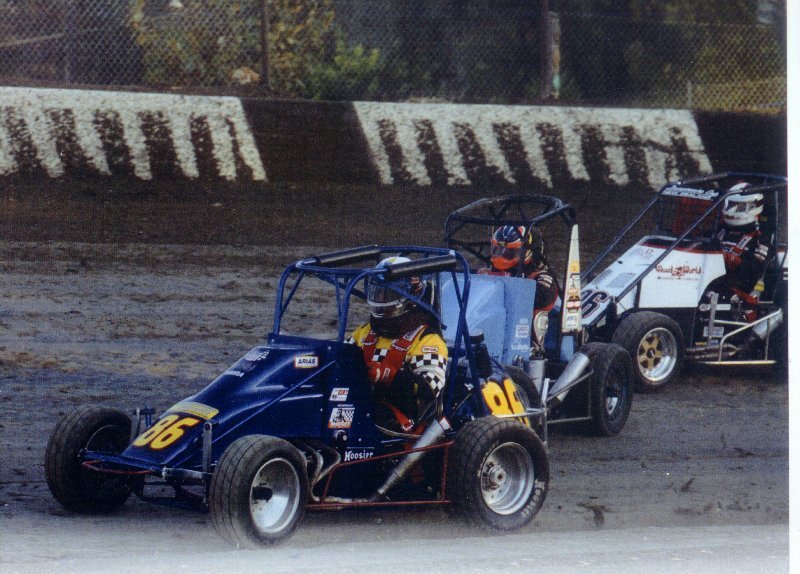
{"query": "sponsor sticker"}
(341, 418)
(306, 362)
(427, 349)
(679, 271)
(339, 394)
(522, 331)
(256, 355)
(708, 195)
(358, 454)
(197, 409)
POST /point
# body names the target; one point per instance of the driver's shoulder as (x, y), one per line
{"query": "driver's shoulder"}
(430, 342)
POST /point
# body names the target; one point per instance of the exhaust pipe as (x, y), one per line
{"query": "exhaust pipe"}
(569, 378)
(535, 370)
(433, 434)
(765, 327)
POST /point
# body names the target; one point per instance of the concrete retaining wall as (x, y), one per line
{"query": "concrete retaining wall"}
(57, 133)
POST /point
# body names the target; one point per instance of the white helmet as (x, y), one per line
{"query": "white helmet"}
(386, 303)
(742, 209)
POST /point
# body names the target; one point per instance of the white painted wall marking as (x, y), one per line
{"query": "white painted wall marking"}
(34, 106)
(652, 127)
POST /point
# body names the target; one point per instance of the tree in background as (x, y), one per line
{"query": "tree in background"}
(349, 73)
(205, 42)
(717, 54)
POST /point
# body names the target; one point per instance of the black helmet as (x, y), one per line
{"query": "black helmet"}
(386, 303)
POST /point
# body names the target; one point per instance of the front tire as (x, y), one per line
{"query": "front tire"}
(98, 429)
(500, 473)
(655, 343)
(610, 387)
(259, 491)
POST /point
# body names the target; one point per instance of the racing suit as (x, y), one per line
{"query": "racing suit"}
(746, 259)
(407, 373)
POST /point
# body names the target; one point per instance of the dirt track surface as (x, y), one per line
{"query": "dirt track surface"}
(133, 297)
(149, 324)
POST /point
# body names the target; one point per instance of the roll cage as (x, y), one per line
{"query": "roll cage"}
(689, 211)
(492, 212)
(349, 270)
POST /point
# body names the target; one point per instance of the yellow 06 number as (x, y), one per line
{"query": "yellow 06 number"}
(165, 432)
(504, 400)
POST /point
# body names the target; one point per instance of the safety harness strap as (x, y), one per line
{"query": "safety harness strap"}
(384, 364)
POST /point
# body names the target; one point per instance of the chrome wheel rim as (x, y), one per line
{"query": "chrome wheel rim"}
(274, 495)
(507, 478)
(657, 354)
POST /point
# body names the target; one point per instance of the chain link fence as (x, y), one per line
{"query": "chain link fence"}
(398, 50)
(698, 66)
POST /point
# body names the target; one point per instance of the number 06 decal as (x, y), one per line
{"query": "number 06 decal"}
(503, 400)
(165, 432)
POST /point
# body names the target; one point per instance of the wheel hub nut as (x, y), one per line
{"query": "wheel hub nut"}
(495, 476)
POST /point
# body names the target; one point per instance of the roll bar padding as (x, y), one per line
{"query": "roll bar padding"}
(421, 266)
(345, 256)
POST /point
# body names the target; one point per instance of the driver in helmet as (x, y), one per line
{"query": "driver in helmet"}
(403, 349)
(518, 253)
(746, 257)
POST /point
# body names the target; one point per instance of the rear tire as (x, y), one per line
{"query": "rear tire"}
(99, 429)
(259, 491)
(523, 381)
(500, 473)
(779, 342)
(610, 387)
(655, 344)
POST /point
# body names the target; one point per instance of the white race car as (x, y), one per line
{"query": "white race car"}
(669, 297)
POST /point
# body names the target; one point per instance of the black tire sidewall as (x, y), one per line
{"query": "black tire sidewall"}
(609, 360)
(779, 343)
(231, 484)
(629, 334)
(522, 380)
(66, 478)
(473, 444)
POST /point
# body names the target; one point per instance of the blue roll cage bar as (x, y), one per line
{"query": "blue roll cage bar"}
(340, 270)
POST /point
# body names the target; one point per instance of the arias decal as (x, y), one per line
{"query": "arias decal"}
(306, 362)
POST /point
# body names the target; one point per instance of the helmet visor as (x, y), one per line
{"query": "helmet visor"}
(740, 210)
(382, 295)
(505, 256)
(738, 206)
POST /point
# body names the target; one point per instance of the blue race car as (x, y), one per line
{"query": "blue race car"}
(290, 426)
